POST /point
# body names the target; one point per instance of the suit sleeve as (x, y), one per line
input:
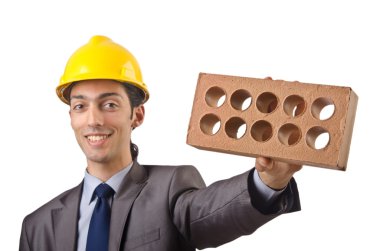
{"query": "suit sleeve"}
(225, 210)
(24, 244)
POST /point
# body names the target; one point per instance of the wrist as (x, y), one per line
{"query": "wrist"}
(274, 182)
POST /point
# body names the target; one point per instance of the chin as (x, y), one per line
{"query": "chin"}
(97, 158)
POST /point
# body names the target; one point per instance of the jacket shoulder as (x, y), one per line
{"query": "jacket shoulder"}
(53, 203)
(170, 172)
(167, 168)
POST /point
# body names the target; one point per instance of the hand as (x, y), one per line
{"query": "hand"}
(275, 174)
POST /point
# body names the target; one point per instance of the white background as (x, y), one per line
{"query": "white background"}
(325, 42)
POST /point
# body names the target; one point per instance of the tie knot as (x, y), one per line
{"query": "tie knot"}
(104, 191)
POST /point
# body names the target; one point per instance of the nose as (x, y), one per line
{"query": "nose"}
(95, 117)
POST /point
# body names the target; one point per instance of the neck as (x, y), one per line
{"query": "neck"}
(105, 170)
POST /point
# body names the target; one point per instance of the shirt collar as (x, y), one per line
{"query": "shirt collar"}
(91, 182)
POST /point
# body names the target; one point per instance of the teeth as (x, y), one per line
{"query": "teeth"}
(97, 137)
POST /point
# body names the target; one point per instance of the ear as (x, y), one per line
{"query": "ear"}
(138, 116)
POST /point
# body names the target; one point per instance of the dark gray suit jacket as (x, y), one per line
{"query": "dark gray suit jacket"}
(160, 208)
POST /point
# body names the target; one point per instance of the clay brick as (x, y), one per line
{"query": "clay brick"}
(277, 119)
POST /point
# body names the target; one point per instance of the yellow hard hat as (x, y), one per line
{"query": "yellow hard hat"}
(101, 58)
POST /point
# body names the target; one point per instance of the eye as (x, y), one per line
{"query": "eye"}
(77, 107)
(110, 105)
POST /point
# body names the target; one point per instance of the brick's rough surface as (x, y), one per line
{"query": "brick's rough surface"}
(273, 118)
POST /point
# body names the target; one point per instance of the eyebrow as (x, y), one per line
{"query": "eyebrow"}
(101, 96)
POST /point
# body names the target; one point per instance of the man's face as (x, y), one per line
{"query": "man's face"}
(102, 120)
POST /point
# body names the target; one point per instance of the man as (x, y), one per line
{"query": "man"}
(122, 205)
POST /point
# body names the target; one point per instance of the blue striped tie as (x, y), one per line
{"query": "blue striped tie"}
(98, 232)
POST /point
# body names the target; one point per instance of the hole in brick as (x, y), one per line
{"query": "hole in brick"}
(236, 128)
(267, 102)
(323, 108)
(215, 97)
(210, 124)
(294, 106)
(261, 131)
(317, 138)
(289, 134)
(241, 100)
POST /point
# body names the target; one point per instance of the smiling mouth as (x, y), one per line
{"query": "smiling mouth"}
(97, 138)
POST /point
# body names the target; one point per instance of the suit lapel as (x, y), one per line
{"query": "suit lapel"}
(65, 220)
(131, 186)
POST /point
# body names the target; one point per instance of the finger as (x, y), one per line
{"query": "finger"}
(292, 165)
(263, 164)
(296, 168)
(289, 167)
(259, 167)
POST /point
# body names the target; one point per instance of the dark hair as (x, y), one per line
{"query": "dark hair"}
(136, 97)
